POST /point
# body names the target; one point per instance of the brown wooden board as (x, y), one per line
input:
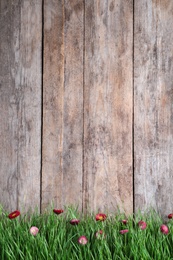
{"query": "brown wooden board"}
(108, 98)
(153, 105)
(20, 103)
(63, 103)
(53, 94)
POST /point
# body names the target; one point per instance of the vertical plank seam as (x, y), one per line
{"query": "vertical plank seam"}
(62, 122)
(42, 86)
(83, 141)
(157, 103)
(133, 104)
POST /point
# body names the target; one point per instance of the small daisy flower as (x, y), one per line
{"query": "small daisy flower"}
(142, 224)
(164, 229)
(14, 214)
(82, 240)
(100, 217)
(124, 221)
(58, 211)
(34, 230)
(170, 215)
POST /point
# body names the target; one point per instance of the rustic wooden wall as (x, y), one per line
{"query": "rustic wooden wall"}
(86, 98)
(20, 103)
(87, 118)
(63, 103)
(153, 105)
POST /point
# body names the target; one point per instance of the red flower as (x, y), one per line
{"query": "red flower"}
(14, 214)
(170, 215)
(164, 229)
(74, 221)
(124, 231)
(100, 217)
(124, 221)
(142, 224)
(58, 211)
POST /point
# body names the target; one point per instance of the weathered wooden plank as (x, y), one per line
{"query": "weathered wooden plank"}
(73, 103)
(20, 103)
(63, 103)
(153, 110)
(108, 105)
(53, 95)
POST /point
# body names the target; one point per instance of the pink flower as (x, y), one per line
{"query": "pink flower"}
(34, 231)
(82, 240)
(164, 229)
(142, 224)
(124, 231)
(74, 221)
(58, 211)
(170, 216)
(124, 221)
(100, 234)
(100, 217)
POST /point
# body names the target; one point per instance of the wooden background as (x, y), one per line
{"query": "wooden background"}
(86, 104)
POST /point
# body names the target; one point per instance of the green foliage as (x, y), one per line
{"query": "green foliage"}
(58, 239)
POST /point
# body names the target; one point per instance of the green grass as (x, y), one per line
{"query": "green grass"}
(58, 239)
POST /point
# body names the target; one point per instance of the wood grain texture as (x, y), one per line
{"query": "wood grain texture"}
(53, 95)
(20, 104)
(108, 106)
(153, 109)
(73, 103)
(87, 104)
(63, 103)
